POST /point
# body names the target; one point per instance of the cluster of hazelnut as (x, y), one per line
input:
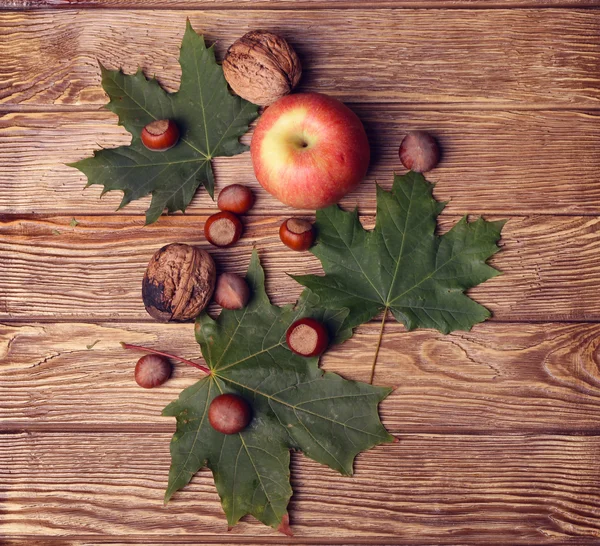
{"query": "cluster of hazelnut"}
(178, 284)
(181, 280)
(230, 413)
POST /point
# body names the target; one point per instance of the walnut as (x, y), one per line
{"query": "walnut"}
(178, 283)
(262, 67)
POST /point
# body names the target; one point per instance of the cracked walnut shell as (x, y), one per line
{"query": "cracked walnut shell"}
(261, 67)
(178, 283)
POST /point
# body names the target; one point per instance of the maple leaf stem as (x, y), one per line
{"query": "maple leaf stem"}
(385, 312)
(168, 355)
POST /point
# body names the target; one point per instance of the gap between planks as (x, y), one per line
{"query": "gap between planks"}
(169, 428)
(149, 320)
(395, 106)
(203, 212)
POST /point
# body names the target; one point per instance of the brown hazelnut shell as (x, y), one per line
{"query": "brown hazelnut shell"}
(297, 234)
(178, 283)
(419, 151)
(307, 337)
(223, 229)
(231, 291)
(152, 371)
(229, 413)
(236, 198)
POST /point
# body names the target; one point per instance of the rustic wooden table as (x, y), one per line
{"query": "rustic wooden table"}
(499, 428)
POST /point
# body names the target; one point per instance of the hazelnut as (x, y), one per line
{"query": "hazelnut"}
(152, 371)
(179, 282)
(419, 152)
(231, 292)
(223, 229)
(307, 337)
(236, 198)
(261, 67)
(229, 413)
(160, 135)
(297, 234)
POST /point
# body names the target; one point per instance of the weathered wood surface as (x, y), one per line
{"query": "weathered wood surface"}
(521, 486)
(93, 271)
(499, 428)
(498, 378)
(494, 162)
(501, 58)
(295, 4)
(226, 539)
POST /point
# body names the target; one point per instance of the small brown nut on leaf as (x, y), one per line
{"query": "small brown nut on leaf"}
(179, 282)
(262, 67)
(231, 292)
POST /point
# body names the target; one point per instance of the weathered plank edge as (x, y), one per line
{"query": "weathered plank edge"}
(18, 5)
(210, 540)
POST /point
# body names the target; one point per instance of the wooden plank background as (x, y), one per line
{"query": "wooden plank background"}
(499, 427)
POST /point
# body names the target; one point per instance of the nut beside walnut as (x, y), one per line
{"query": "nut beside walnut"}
(178, 283)
(262, 67)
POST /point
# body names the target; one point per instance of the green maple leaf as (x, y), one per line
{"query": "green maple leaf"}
(209, 118)
(295, 406)
(402, 265)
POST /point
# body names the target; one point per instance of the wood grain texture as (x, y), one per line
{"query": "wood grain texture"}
(498, 378)
(499, 427)
(475, 57)
(315, 540)
(294, 4)
(226, 540)
(522, 486)
(494, 162)
(93, 271)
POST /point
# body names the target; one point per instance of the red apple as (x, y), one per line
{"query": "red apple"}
(309, 150)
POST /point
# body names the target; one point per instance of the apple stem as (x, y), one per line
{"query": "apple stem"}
(168, 355)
